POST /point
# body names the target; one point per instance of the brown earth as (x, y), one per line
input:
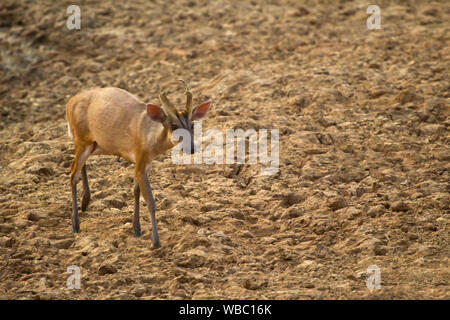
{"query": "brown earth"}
(364, 150)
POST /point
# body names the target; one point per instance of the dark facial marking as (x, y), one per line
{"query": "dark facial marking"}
(185, 123)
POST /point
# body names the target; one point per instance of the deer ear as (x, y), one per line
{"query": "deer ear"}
(155, 112)
(201, 110)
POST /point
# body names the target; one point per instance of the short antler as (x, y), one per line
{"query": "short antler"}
(166, 104)
(188, 97)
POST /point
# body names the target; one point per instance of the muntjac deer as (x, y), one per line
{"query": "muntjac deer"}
(112, 121)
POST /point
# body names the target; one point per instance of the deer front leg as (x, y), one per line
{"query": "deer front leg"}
(144, 186)
(136, 223)
(152, 208)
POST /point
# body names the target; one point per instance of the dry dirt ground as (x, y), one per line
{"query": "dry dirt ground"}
(364, 148)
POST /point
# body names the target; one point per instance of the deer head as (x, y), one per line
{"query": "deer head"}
(172, 119)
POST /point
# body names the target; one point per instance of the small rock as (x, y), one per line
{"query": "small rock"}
(361, 275)
(380, 250)
(427, 250)
(191, 259)
(420, 261)
(253, 284)
(257, 204)
(405, 97)
(247, 234)
(268, 240)
(360, 191)
(6, 228)
(40, 170)
(236, 214)
(106, 269)
(337, 203)
(139, 291)
(113, 202)
(375, 211)
(430, 129)
(63, 244)
(165, 203)
(300, 102)
(40, 242)
(6, 242)
(353, 213)
(219, 235)
(291, 213)
(292, 198)
(307, 265)
(211, 206)
(398, 206)
(36, 216)
(374, 246)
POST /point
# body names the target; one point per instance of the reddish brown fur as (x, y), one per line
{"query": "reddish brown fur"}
(118, 123)
(114, 122)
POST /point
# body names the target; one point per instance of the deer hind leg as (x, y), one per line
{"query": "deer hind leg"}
(136, 223)
(82, 152)
(86, 191)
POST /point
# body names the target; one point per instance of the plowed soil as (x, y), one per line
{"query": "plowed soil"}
(363, 117)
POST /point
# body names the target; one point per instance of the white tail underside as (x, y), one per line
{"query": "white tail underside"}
(68, 131)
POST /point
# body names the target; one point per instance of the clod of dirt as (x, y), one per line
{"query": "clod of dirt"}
(406, 96)
(6, 242)
(375, 211)
(292, 212)
(41, 170)
(398, 206)
(165, 203)
(337, 203)
(107, 269)
(191, 259)
(36, 216)
(254, 284)
(113, 202)
(63, 244)
(257, 204)
(6, 228)
(211, 206)
(292, 198)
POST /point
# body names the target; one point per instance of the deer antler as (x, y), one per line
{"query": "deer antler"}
(188, 97)
(166, 104)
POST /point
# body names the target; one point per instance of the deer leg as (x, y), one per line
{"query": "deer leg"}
(144, 185)
(81, 155)
(136, 223)
(152, 208)
(73, 183)
(86, 190)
